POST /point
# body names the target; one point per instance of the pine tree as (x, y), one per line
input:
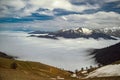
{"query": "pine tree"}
(82, 69)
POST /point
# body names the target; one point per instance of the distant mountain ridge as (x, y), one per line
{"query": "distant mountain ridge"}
(115, 31)
(74, 33)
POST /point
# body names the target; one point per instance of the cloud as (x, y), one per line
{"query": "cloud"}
(97, 20)
(11, 8)
(50, 4)
(111, 0)
(57, 14)
(82, 2)
(103, 5)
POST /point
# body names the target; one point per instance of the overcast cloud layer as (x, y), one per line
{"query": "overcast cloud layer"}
(57, 14)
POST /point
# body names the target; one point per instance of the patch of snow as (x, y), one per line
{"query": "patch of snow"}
(83, 72)
(109, 70)
(60, 78)
(110, 29)
(73, 75)
(63, 30)
(40, 34)
(64, 18)
(79, 30)
(86, 31)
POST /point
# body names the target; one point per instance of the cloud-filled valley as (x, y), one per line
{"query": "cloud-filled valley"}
(69, 54)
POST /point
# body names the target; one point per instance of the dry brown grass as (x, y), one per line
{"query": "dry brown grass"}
(29, 71)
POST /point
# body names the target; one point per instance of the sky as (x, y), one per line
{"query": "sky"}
(58, 14)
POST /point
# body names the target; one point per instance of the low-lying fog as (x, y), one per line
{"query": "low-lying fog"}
(69, 54)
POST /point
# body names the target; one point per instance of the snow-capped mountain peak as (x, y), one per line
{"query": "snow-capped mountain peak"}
(85, 31)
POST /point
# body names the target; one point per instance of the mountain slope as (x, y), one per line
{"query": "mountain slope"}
(106, 71)
(11, 69)
(107, 55)
(110, 57)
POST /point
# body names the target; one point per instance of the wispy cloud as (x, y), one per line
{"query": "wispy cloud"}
(11, 8)
(97, 20)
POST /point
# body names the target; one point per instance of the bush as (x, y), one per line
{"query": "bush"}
(13, 65)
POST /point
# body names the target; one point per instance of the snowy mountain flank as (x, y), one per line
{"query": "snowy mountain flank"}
(106, 71)
(78, 33)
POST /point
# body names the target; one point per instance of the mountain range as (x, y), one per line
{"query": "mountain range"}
(79, 33)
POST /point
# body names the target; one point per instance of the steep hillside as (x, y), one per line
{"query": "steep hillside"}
(112, 70)
(107, 55)
(106, 71)
(110, 57)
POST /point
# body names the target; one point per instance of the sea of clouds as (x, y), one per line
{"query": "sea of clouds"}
(69, 54)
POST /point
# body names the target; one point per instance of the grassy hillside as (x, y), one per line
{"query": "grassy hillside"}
(29, 71)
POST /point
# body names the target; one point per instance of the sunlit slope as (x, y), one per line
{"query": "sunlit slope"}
(25, 70)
